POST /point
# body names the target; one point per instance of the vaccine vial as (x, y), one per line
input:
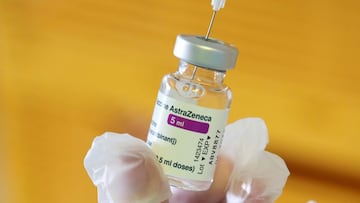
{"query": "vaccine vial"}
(191, 112)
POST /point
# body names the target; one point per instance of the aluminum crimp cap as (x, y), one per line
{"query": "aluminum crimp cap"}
(208, 53)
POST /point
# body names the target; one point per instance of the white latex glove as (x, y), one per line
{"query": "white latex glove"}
(125, 170)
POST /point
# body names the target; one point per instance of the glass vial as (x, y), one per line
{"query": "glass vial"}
(191, 112)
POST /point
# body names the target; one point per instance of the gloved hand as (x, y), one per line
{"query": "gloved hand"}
(125, 170)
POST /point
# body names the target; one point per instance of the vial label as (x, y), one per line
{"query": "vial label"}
(186, 138)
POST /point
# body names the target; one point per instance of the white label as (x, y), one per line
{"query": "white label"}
(186, 138)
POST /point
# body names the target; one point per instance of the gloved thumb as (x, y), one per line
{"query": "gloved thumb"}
(258, 176)
(125, 170)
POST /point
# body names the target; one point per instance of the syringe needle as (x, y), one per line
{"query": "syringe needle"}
(210, 25)
(216, 5)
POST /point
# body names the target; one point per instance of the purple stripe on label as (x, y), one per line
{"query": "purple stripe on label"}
(187, 124)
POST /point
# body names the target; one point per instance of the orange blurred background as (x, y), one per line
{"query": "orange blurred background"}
(72, 69)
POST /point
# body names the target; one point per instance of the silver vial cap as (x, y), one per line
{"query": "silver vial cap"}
(211, 53)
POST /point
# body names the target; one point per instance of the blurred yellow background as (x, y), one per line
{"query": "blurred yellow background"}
(72, 69)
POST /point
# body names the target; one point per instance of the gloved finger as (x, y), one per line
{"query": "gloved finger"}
(258, 175)
(244, 138)
(261, 181)
(125, 170)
